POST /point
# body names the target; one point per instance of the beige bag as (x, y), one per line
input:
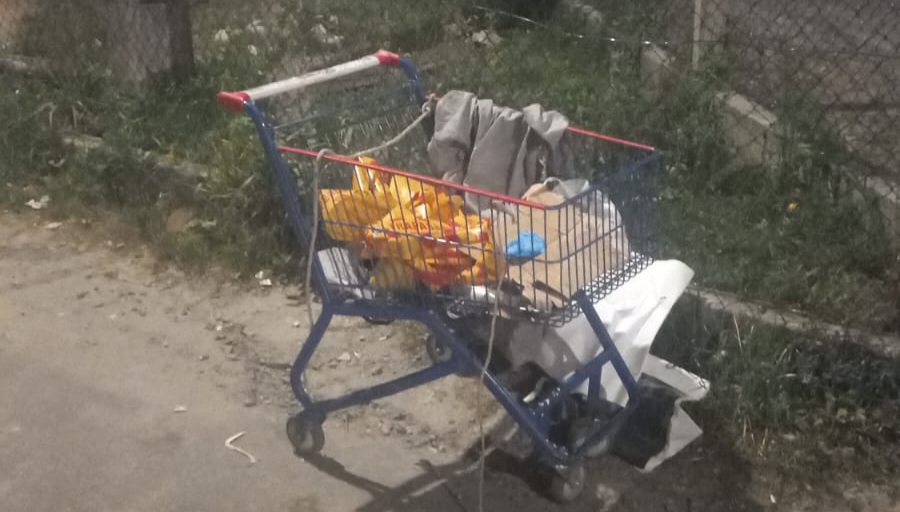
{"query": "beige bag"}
(581, 247)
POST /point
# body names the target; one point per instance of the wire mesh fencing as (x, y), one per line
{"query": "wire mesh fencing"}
(779, 121)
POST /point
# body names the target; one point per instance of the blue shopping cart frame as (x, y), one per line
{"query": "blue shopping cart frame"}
(536, 418)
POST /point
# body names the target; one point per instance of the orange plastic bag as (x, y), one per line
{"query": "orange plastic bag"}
(418, 232)
(410, 227)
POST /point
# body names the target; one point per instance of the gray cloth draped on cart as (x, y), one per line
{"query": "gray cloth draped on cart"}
(495, 148)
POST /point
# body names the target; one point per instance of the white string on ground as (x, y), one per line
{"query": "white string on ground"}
(229, 443)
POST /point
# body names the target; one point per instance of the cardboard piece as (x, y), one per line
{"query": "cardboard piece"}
(581, 246)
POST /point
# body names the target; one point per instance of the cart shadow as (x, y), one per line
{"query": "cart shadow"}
(703, 478)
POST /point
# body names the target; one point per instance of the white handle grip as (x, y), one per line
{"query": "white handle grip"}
(235, 100)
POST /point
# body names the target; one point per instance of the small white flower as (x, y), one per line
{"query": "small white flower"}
(221, 36)
(257, 27)
(253, 51)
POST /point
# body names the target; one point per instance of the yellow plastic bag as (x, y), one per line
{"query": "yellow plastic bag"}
(393, 274)
(418, 232)
(367, 179)
(489, 268)
(442, 254)
(442, 206)
(405, 190)
(346, 213)
(409, 227)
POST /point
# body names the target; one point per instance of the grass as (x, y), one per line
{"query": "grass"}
(800, 248)
(725, 220)
(794, 236)
(797, 402)
(238, 221)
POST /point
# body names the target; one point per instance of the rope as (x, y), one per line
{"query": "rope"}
(426, 111)
(482, 454)
(315, 234)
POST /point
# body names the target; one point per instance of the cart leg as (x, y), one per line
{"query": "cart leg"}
(609, 347)
(593, 433)
(363, 396)
(306, 353)
(594, 392)
(536, 420)
(305, 428)
(533, 421)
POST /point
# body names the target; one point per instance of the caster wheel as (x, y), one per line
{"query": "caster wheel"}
(305, 435)
(580, 434)
(378, 321)
(568, 484)
(438, 352)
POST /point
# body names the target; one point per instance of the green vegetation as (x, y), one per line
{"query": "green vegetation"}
(795, 236)
(795, 401)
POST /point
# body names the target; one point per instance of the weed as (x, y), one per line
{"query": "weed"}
(794, 235)
(797, 401)
(798, 239)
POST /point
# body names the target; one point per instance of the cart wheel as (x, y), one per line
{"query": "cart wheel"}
(438, 352)
(579, 435)
(305, 434)
(568, 483)
(378, 321)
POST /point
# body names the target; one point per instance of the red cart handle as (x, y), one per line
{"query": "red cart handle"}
(235, 100)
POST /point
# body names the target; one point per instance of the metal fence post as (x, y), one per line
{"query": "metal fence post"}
(709, 28)
(181, 42)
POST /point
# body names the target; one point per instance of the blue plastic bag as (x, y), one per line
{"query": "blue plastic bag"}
(527, 246)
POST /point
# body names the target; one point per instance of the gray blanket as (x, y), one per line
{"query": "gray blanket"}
(500, 149)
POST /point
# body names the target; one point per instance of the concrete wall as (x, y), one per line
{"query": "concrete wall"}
(753, 131)
(751, 128)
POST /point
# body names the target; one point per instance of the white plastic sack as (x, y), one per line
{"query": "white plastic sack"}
(632, 314)
(689, 388)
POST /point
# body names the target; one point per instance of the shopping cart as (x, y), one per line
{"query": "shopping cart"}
(455, 274)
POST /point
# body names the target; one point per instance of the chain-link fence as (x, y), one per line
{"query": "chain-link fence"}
(780, 120)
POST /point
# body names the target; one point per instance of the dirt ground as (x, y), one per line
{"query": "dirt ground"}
(122, 378)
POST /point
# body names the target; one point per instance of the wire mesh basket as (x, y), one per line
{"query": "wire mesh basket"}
(391, 231)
